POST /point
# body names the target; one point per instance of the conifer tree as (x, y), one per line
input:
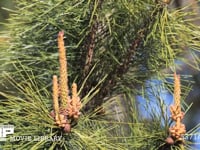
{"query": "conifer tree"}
(107, 51)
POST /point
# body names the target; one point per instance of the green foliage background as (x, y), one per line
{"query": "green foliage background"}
(3, 13)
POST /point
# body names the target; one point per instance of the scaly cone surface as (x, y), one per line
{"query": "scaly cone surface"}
(63, 71)
(178, 129)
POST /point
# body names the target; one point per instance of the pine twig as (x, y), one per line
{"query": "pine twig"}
(122, 69)
(90, 48)
(91, 39)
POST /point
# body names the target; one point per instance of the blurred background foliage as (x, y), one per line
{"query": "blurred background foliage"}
(4, 14)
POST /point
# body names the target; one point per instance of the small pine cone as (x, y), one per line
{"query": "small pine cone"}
(169, 140)
(67, 128)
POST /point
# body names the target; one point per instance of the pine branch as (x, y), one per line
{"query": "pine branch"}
(119, 71)
(92, 37)
(90, 48)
